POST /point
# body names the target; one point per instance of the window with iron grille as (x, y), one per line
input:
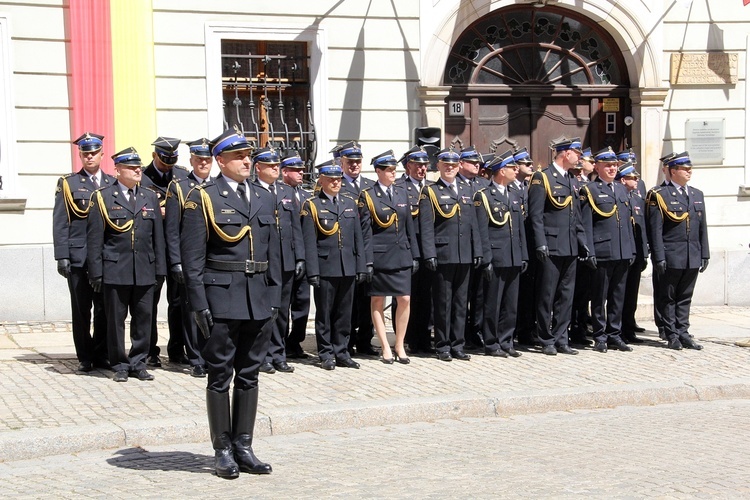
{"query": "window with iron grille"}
(266, 93)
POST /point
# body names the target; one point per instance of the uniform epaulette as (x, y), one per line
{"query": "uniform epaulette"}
(367, 188)
(182, 168)
(71, 174)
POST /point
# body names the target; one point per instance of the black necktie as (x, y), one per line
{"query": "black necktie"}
(131, 199)
(272, 188)
(390, 195)
(421, 185)
(611, 187)
(242, 195)
(334, 201)
(355, 184)
(95, 182)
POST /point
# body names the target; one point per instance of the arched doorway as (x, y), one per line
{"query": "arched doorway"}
(524, 77)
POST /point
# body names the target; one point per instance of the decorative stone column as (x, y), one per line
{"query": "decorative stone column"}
(432, 102)
(648, 130)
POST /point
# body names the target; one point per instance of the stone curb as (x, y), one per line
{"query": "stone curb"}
(26, 444)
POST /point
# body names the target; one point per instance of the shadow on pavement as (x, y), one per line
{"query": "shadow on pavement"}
(140, 459)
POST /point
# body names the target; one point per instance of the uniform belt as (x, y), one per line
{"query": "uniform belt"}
(246, 266)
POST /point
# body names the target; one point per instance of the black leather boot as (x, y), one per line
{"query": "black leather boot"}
(220, 426)
(244, 409)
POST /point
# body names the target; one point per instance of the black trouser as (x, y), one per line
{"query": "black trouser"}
(526, 321)
(420, 317)
(581, 299)
(361, 320)
(607, 299)
(118, 300)
(277, 343)
(656, 284)
(675, 296)
(450, 288)
(555, 280)
(194, 340)
(474, 310)
(236, 348)
(630, 305)
(333, 309)
(300, 310)
(89, 348)
(176, 344)
(500, 307)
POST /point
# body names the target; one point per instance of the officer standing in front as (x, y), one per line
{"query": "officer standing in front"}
(500, 221)
(555, 216)
(266, 163)
(69, 217)
(292, 170)
(200, 160)
(335, 259)
(157, 176)
(609, 232)
(678, 236)
(126, 261)
(232, 271)
(451, 245)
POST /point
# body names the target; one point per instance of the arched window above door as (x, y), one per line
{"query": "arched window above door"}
(525, 46)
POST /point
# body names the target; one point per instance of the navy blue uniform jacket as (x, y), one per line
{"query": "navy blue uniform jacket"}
(500, 221)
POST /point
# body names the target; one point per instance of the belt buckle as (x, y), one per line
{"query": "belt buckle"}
(249, 267)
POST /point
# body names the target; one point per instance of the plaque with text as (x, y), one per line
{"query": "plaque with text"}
(705, 141)
(707, 68)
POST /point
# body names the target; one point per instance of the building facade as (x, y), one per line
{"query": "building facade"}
(654, 75)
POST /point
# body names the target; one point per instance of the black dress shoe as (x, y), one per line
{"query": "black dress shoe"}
(461, 355)
(630, 338)
(153, 361)
(404, 360)
(689, 344)
(102, 364)
(600, 346)
(620, 345)
(513, 353)
(283, 367)
(296, 353)
(267, 368)
(328, 364)
(120, 376)
(675, 344)
(444, 356)
(566, 349)
(638, 329)
(198, 371)
(85, 366)
(387, 361)
(347, 363)
(549, 350)
(179, 360)
(580, 340)
(367, 350)
(497, 353)
(470, 346)
(142, 374)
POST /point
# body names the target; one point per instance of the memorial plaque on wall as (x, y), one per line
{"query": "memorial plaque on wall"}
(707, 68)
(705, 141)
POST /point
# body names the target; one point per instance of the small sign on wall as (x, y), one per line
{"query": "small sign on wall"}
(455, 108)
(704, 140)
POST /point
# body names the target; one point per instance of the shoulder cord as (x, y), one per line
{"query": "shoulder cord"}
(314, 214)
(391, 220)
(670, 215)
(552, 200)
(599, 211)
(436, 206)
(70, 204)
(486, 203)
(208, 214)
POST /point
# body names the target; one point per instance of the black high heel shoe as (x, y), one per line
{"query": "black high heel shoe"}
(403, 361)
(387, 361)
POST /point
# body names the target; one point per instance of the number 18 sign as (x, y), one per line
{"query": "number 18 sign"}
(455, 108)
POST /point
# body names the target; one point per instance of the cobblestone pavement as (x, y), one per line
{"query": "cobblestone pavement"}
(687, 450)
(44, 401)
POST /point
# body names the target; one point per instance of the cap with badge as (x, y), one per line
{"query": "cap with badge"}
(200, 148)
(266, 155)
(329, 169)
(506, 159)
(587, 156)
(487, 159)
(88, 142)
(292, 159)
(606, 155)
(229, 140)
(523, 156)
(566, 144)
(680, 160)
(665, 159)
(385, 160)
(166, 149)
(627, 169)
(350, 150)
(417, 154)
(627, 155)
(471, 155)
(127, 157)
(447, 155)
